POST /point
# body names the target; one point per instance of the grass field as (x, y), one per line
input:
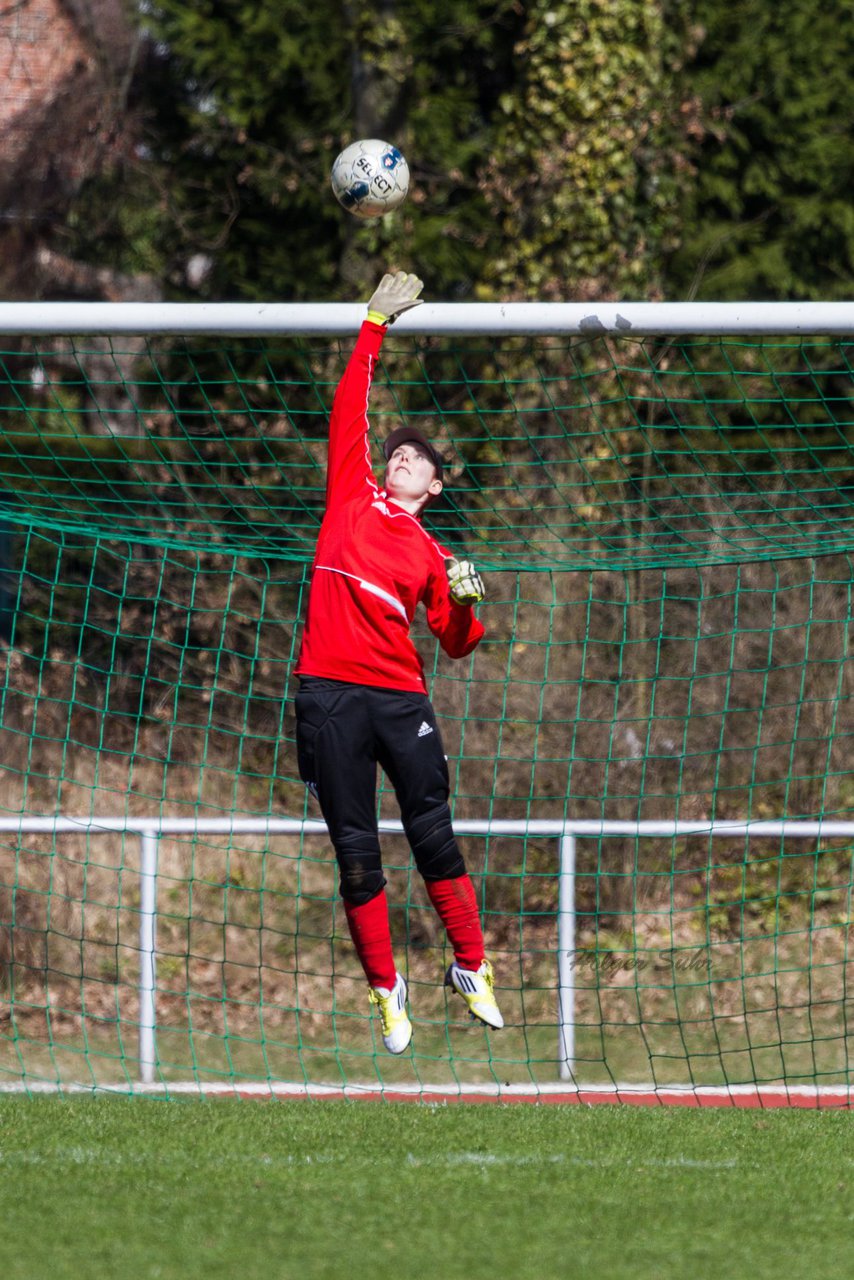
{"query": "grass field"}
(120, 1188)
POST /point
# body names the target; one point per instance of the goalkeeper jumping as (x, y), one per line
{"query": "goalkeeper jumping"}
(362, 698)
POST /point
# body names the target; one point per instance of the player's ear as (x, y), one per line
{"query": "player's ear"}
(436, 487)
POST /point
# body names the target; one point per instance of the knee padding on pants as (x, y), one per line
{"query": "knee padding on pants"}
(360, 873)
(431, 838)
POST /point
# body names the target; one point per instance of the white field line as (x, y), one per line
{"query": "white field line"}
(758, 1096)
(101, 1158)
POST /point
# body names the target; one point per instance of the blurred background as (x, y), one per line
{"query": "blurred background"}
(560, 149)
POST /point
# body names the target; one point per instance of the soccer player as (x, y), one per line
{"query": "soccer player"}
(362, 698)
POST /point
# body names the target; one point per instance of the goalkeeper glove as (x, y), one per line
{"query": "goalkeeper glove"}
(465, 582)
(393, 295)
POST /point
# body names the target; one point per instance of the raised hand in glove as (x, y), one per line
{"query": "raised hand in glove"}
(465, 582)
(394, 294)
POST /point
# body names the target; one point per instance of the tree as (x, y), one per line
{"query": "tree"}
(247, 106)
(586, 169)
(771, 214)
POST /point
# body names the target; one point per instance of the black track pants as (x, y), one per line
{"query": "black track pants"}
(343, 732)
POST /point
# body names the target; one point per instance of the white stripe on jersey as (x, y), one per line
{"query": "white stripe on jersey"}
(370, 587)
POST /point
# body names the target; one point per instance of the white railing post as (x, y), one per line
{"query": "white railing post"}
(147, 955)
(567, 832)
(566, 957)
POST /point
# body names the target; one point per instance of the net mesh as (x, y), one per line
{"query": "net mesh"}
(667, 532)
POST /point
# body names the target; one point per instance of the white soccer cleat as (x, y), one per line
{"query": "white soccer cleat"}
(476, 986)
(397, 1029)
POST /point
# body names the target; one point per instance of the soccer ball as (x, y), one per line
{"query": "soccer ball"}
(370, 178)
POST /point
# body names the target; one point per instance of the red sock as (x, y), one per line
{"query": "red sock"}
(371, 936)
(456, 905)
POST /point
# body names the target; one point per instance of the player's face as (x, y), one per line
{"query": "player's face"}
(410, 474)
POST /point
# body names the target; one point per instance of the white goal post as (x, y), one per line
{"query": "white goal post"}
(490, 319)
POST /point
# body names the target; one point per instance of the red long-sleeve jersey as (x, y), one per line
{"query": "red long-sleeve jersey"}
(374, 562)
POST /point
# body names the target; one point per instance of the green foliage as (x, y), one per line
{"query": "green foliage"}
(559, 148)
(246, 108)
(771, 212)
(584, 177)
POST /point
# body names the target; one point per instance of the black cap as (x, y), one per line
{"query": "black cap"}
(402, 435)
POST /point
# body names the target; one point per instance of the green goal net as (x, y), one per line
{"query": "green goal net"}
(650, 751)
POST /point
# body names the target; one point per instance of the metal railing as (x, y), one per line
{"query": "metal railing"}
(567, 832)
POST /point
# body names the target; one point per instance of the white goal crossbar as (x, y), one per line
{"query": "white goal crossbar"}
(488, 319)
(567, 832)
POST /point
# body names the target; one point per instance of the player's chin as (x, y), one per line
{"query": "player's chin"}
(402, 493)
